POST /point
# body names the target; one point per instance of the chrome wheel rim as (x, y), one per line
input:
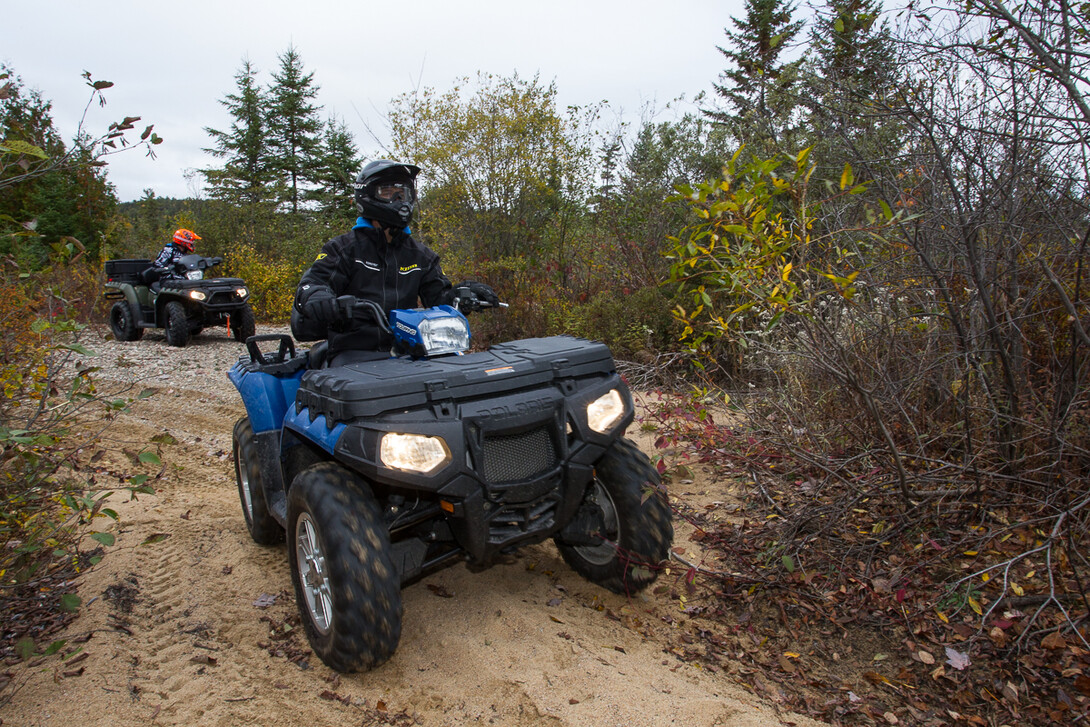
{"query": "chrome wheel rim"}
(604, 553)
(244, 484)
(311, 565)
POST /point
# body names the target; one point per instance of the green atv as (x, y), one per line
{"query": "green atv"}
(183, 303)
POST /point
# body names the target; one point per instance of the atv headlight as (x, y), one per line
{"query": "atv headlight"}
(605, 411)
(197, 295)
(413, 452)
(449, 334)
(241, 292)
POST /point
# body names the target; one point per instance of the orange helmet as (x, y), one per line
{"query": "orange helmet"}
(185, 238)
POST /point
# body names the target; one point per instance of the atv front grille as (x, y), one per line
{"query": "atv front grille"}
(514, 457)
(222, 297)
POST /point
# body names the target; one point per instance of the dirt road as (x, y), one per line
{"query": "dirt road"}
(199, 627)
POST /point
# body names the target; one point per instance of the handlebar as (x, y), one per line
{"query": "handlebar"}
(352, 307)
(467, 301)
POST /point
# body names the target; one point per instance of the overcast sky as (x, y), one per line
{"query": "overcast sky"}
(172, 63)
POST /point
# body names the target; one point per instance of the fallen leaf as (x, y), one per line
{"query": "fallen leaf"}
(440, 591)
(573, 701)
(1054, 641)
(957, 660)
(925, 657)
(265, 600)
(786, 665)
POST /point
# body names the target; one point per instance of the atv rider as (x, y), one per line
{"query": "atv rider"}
(377, 260)
(179, 246)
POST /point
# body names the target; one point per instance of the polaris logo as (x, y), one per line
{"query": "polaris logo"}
(522, 409)
(407, 329)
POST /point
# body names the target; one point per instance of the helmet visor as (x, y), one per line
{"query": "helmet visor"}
(385, 191)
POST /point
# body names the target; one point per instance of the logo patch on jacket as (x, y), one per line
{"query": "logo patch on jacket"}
(368, 264)
(406, 269)
(320, 256)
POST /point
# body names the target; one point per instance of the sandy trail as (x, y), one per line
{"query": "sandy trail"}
(181, 633)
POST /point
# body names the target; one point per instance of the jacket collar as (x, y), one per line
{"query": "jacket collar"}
(366, 224)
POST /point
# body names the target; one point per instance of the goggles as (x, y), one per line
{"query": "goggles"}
(393, 192)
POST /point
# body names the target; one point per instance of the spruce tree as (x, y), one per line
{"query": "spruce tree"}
(851, 77)
(335, 171)
(853, 51)
(294, 126)
(247, 175)
(757, 82)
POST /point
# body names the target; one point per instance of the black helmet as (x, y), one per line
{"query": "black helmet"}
(386, 192)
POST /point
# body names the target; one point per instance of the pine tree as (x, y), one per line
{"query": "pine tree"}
(851, 75)
(853, 52)
(294, 126)
(336, 169)
(247, 175)
(756, 83)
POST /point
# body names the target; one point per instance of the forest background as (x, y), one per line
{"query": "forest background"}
(870, 243)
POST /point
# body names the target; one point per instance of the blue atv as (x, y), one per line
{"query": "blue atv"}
(384, 471)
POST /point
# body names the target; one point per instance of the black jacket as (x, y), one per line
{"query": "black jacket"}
(399, 274)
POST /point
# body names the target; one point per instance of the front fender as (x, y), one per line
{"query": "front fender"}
(265, 396)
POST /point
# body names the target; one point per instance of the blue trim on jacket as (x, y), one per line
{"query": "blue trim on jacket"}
(366, 224)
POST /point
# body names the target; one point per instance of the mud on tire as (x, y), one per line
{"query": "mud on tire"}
(637, 534)
(261, 525)
(123, 320)
(347, 589)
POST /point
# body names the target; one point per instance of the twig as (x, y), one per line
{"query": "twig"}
(716, 573)
(775, 506)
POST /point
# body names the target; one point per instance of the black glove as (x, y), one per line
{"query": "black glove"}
(322, 307)
(482, 291)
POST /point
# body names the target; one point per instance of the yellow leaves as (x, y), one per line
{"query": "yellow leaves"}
(786, 271)
(846, 177)
(975, 605)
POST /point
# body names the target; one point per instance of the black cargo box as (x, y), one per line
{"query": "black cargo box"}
(376, 387)
(126, 271)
